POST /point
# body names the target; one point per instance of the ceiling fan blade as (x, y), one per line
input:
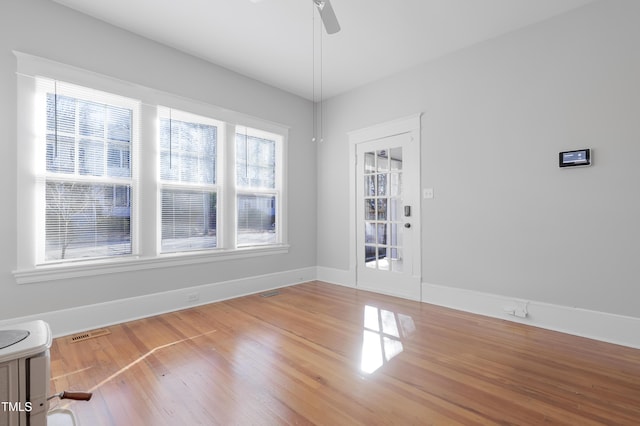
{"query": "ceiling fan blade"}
(328, 16)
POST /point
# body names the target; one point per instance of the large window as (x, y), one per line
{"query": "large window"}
(188, 166)
(257, 187)
(87, 181)
(115, 176)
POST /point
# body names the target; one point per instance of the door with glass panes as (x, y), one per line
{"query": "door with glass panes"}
(387, 216)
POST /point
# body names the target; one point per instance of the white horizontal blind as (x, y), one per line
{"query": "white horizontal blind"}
(258, 187)
(86, 172)
(189, 184)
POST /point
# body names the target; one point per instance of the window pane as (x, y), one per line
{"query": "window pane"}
(76, 138)
(119, 160)
(382, 233)
(91, 158)
(382, 209)
(382, 184)
(396, 158)
(395, 184)
(394, 209)
(61, 154)
(91, 117)
(383, 161)
(369, 209)
(255, 162)
(370, 232)
(87, 220)
(256, 220)
(188, 151)
(61, 115)
(119, 124)
(189, 220)
(369, 185)
(369, 162)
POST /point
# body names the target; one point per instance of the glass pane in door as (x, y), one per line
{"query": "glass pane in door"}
(369, 162)
(383, 213)
(382, 160)
(382, 209)
(369, 186)
(369, 209)
(396, 159)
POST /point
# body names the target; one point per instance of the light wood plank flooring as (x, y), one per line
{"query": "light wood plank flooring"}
(324, 354)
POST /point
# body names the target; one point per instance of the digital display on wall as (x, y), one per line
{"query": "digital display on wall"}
(579, 157)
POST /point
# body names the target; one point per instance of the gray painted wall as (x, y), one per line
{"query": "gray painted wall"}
(518, 228)
(505, 219)
(46, 29)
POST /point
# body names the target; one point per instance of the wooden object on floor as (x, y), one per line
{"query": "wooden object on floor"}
(317, 353)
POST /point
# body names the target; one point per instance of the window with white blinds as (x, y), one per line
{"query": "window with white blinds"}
(85, 173)
(258, 187)
(188, 175)
(114, 176)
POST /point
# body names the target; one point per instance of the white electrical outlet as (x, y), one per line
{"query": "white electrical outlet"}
(522, 313)
(517, 309)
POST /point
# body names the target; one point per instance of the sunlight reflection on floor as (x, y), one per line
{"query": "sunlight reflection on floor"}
(382, 337)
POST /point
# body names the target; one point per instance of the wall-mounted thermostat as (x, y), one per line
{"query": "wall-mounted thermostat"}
(578, 157)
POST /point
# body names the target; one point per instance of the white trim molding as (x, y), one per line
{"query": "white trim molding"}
(61, 271)
(606, 327)
(389, 128)
(89, 317)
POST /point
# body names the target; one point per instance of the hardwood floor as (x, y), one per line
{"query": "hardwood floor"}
(324, 354)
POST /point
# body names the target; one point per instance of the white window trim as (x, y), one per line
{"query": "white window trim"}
(148, 234)
(58, 271)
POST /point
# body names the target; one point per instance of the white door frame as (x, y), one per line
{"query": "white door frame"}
(410, 124)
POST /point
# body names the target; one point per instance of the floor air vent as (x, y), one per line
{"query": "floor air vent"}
(86, 335)
(270, 293)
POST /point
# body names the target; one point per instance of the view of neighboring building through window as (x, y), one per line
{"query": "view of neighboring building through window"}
(188, 157)
(88, 176)
(257, 187)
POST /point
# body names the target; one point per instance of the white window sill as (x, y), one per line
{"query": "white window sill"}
(101, 267)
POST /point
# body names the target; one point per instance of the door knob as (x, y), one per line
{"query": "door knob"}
(407, 225)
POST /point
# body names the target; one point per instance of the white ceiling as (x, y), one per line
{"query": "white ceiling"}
(273, 40)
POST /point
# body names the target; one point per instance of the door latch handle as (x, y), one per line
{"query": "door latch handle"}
(407, 225)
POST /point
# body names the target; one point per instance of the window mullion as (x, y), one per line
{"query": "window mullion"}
(147, 199)
(229, 185)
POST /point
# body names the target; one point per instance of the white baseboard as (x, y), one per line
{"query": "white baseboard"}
(345, 278)
(617, 329)
(612, 328)
(83, 318)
